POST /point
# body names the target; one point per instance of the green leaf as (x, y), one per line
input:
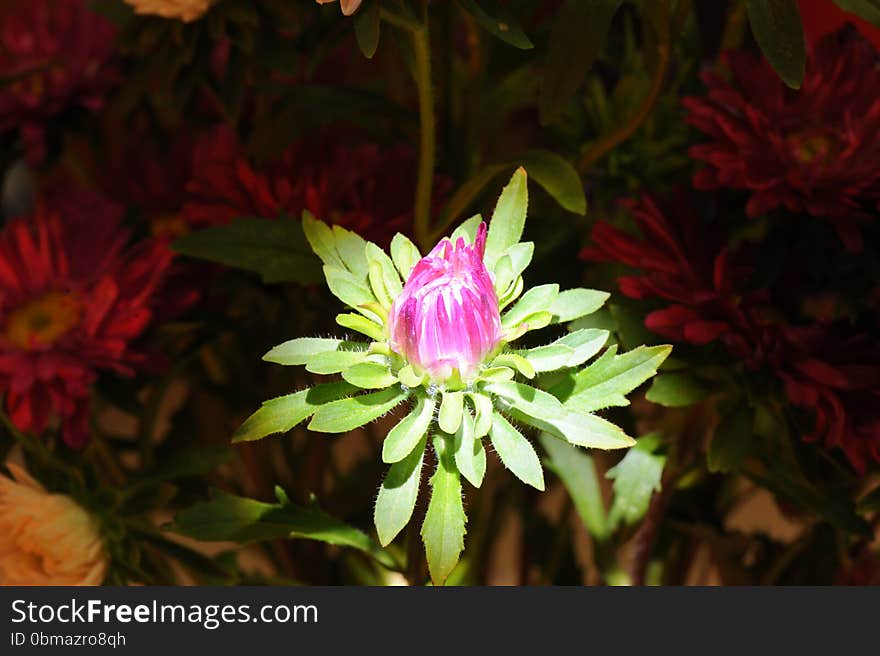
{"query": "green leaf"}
(366, 27)
(298, 351)
(497, 20)
(580, 429)
(362, 325)
(404, 437)
(515, 361)
(675, 390)
(334, 362)
(398, 494)
(451, 406)
(470, 456)
(776, 26)
(404, 254)
(576, 303)
(409, 377)
(347, 414)
(867, 9)
(369, 375)
(351, 291)
(604, 383)
(577, 472)
(352, 249)
(870, 502)
(389, 273)
(232, 518)
(322, 241)
(483, 411)
(732, 440)
(558, 178)
(509, 218)
(571, 350)
(576, 38)
(467, 230)
(636, 478)
(537, 299)
(274, 248)
(280, 414)
(526, 400)
(516, 452)
(444, 527)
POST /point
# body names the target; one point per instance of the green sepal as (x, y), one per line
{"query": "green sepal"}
(362, 325)
(299, 351)
(508, 219)
(398, 494)
(451, 406)
(575, 303)
(409, 377)
(444, 527)
(535, 301)
(483, 411)
(516, 452)
(370, 375)
(467, 230)
(402, 439)
(334, 362)
(570, 350)
(516, 361)
(470, 455)
(280, 414)
(347, 414)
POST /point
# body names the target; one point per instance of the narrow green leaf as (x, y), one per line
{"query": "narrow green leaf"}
(558, 178)
(470, 456)
(280, 414)
(369, 375)
(347, 414)
(517, 362)
(636, 478)
(604, 383)
(536, 300)
(483, 411)
(320, 238)
(404, 254)
(274, 248)
(444, 527)
(398, 494)
(498, 21)
(571, 350)
(509, 218)
(467, 230)
(334, 362)
(581, 429)
(232, 518)
(451, 406)
(493, 374)
(576, 38)
(404, 437)
(675, 390)
(576, 303)
(298, 351)
(577, 471)
(776, 26)
(351, 291)
(352, 249)
(867, 9)
(367, 27)
(516, 452)
(362, 325)
(389, 272)
(526, 399)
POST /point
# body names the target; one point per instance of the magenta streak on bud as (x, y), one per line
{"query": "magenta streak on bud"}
(447, 315)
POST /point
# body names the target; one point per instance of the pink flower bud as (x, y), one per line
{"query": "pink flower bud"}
(447, 315)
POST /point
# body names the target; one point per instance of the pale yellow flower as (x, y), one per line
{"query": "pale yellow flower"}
(185, 10)
(348, 6)
(46, 539)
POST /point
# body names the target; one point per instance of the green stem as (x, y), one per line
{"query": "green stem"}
(427, 128)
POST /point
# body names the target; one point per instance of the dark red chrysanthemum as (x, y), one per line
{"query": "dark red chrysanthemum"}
(54, 54)
(685, 265)
(816, 150)
(821, 17)
(72, 300)
(365, 188)
(834, 372)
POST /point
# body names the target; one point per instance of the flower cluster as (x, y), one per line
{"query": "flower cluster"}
(815, 150)
(185, 10)
(73, 298)
(54, 54)
(442, 330)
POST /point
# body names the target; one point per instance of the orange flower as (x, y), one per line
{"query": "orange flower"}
(348, 6)
(185, 10)
(46, 539)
